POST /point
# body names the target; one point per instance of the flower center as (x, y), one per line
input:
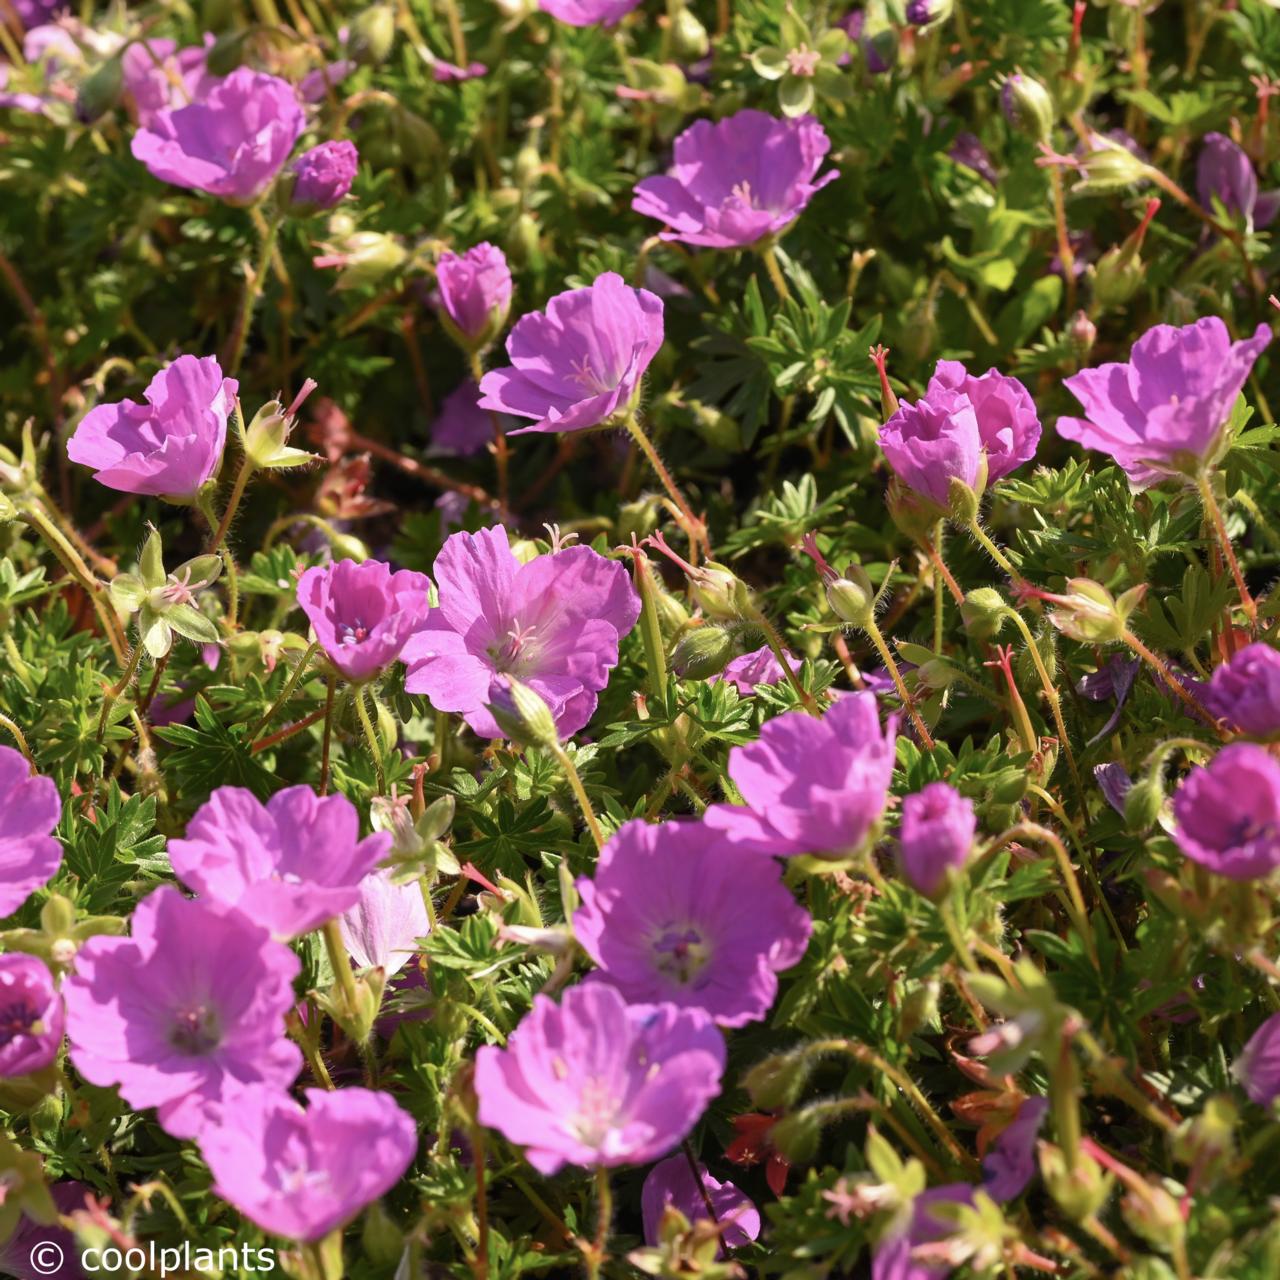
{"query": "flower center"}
(587, 378)
(1250, 829)
(597, 1113)
(195, 1030)
(509, 656)
(681, 953)
(803, 61)
(742, 191)
(352, 633)
(16, 1020)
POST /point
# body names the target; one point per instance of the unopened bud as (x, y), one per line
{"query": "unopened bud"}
(984, 613)
(636, 519)
(100, 92)
(703, 652)
(796, 1137)
(1079, 1192)
(1109, 168)
(1116, 277)
(1154, 1215)
(720, 593)
(372, 34)
(777, 1081)
(523, 715)
(852, 597)
(1082, 333)
(689, 40)
(381, 1239)
(1028, 106)
(1143, 804)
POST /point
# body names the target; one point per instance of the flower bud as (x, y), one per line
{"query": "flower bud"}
(100, 92)
(372, 34)
(524, 242)
(381, 1239)
(1109, 168)
(1143, 804)
(1079, 1192)
(672, 615)
(528, 165)
(778, 1080)
(523, 715)
(852, 597)
(703, 652)
(796, 1137)
(365, 257)
(984, 613)
(720, 593)
(1206, 1141)
(636, 519)
(1116, 277)
(962, 501)
(689, 40)
(1090, 614)
(1082, 333)
(1028, 107)
(1154, 1215)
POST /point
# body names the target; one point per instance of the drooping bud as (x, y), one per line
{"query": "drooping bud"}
(1082, 333)
(1143, 804)
(1027, 106)
(1078, 1192)
(703, 652)
(689, 40)
(984, 613)
(852, 597)
(523, 715)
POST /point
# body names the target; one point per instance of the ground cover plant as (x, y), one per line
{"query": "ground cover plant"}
(639, 639)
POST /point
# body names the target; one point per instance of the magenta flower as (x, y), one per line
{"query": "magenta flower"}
(1258, 1066)
(185, 1012)
(382, 929)
(588, 13)
(580, 362)
(362, 614)
(663, 919)
(31, 1018)
(170, 446)
(462, 426)
(1008, 425)
(1245, 692)
(973, 429)
(595, 1081)
(1010, 1164)
(1224, 170)
(161, 77)
(1163, 413)
(324, 175)
(475, 294)
(29, 811)
(232, 144)
(1228, 813)
(737, 181)
(301, 1173)
(811, 786)
(936, 835)
(291, 864)
(756, 668)
(553, 623)
(671, 1183)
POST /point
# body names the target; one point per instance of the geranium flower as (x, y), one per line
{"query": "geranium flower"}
(161, 77)
(233, 144)
(1258, 1066)
(1163, 413)
(475, 293)
(815, 786)
(183, 1013)
(595, 1081)
(737, 181)
(756, 668)
(671, 1183)
(31, 1017)
(29, 811)
(301, 1173)
(1245, 691)
(292, 863)
(1228, 813)
(553, 623)
(936, 836)
(381, 930)
(170, 446)
(324, 174)
(588, 13)
(663, 919)
(579, 363)
(362, 614)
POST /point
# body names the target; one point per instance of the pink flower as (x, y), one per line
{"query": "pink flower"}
(161, 77)
(362, 614)
(1011, 1163)
(811, 786)
(170, 446)
(756, 668)
(300, 1173)
(1245, 692)
(185, 1012)
(324, 175)
(443, 72)
(31, 1239)
(29, 810)
(671, 1183)
(1008, 425)
(461, 428)
(664, 920)
(316, 84)
(595, 1081)
(475, 294)
(1258, 1066)
(737, 181)
(579, 363)
(588, 13)
(31, 1017)
(938, 826)
(553, 623)
(1163, 413)
(1228, 813)
(233, 144)
(291, 864)
(381, 930)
